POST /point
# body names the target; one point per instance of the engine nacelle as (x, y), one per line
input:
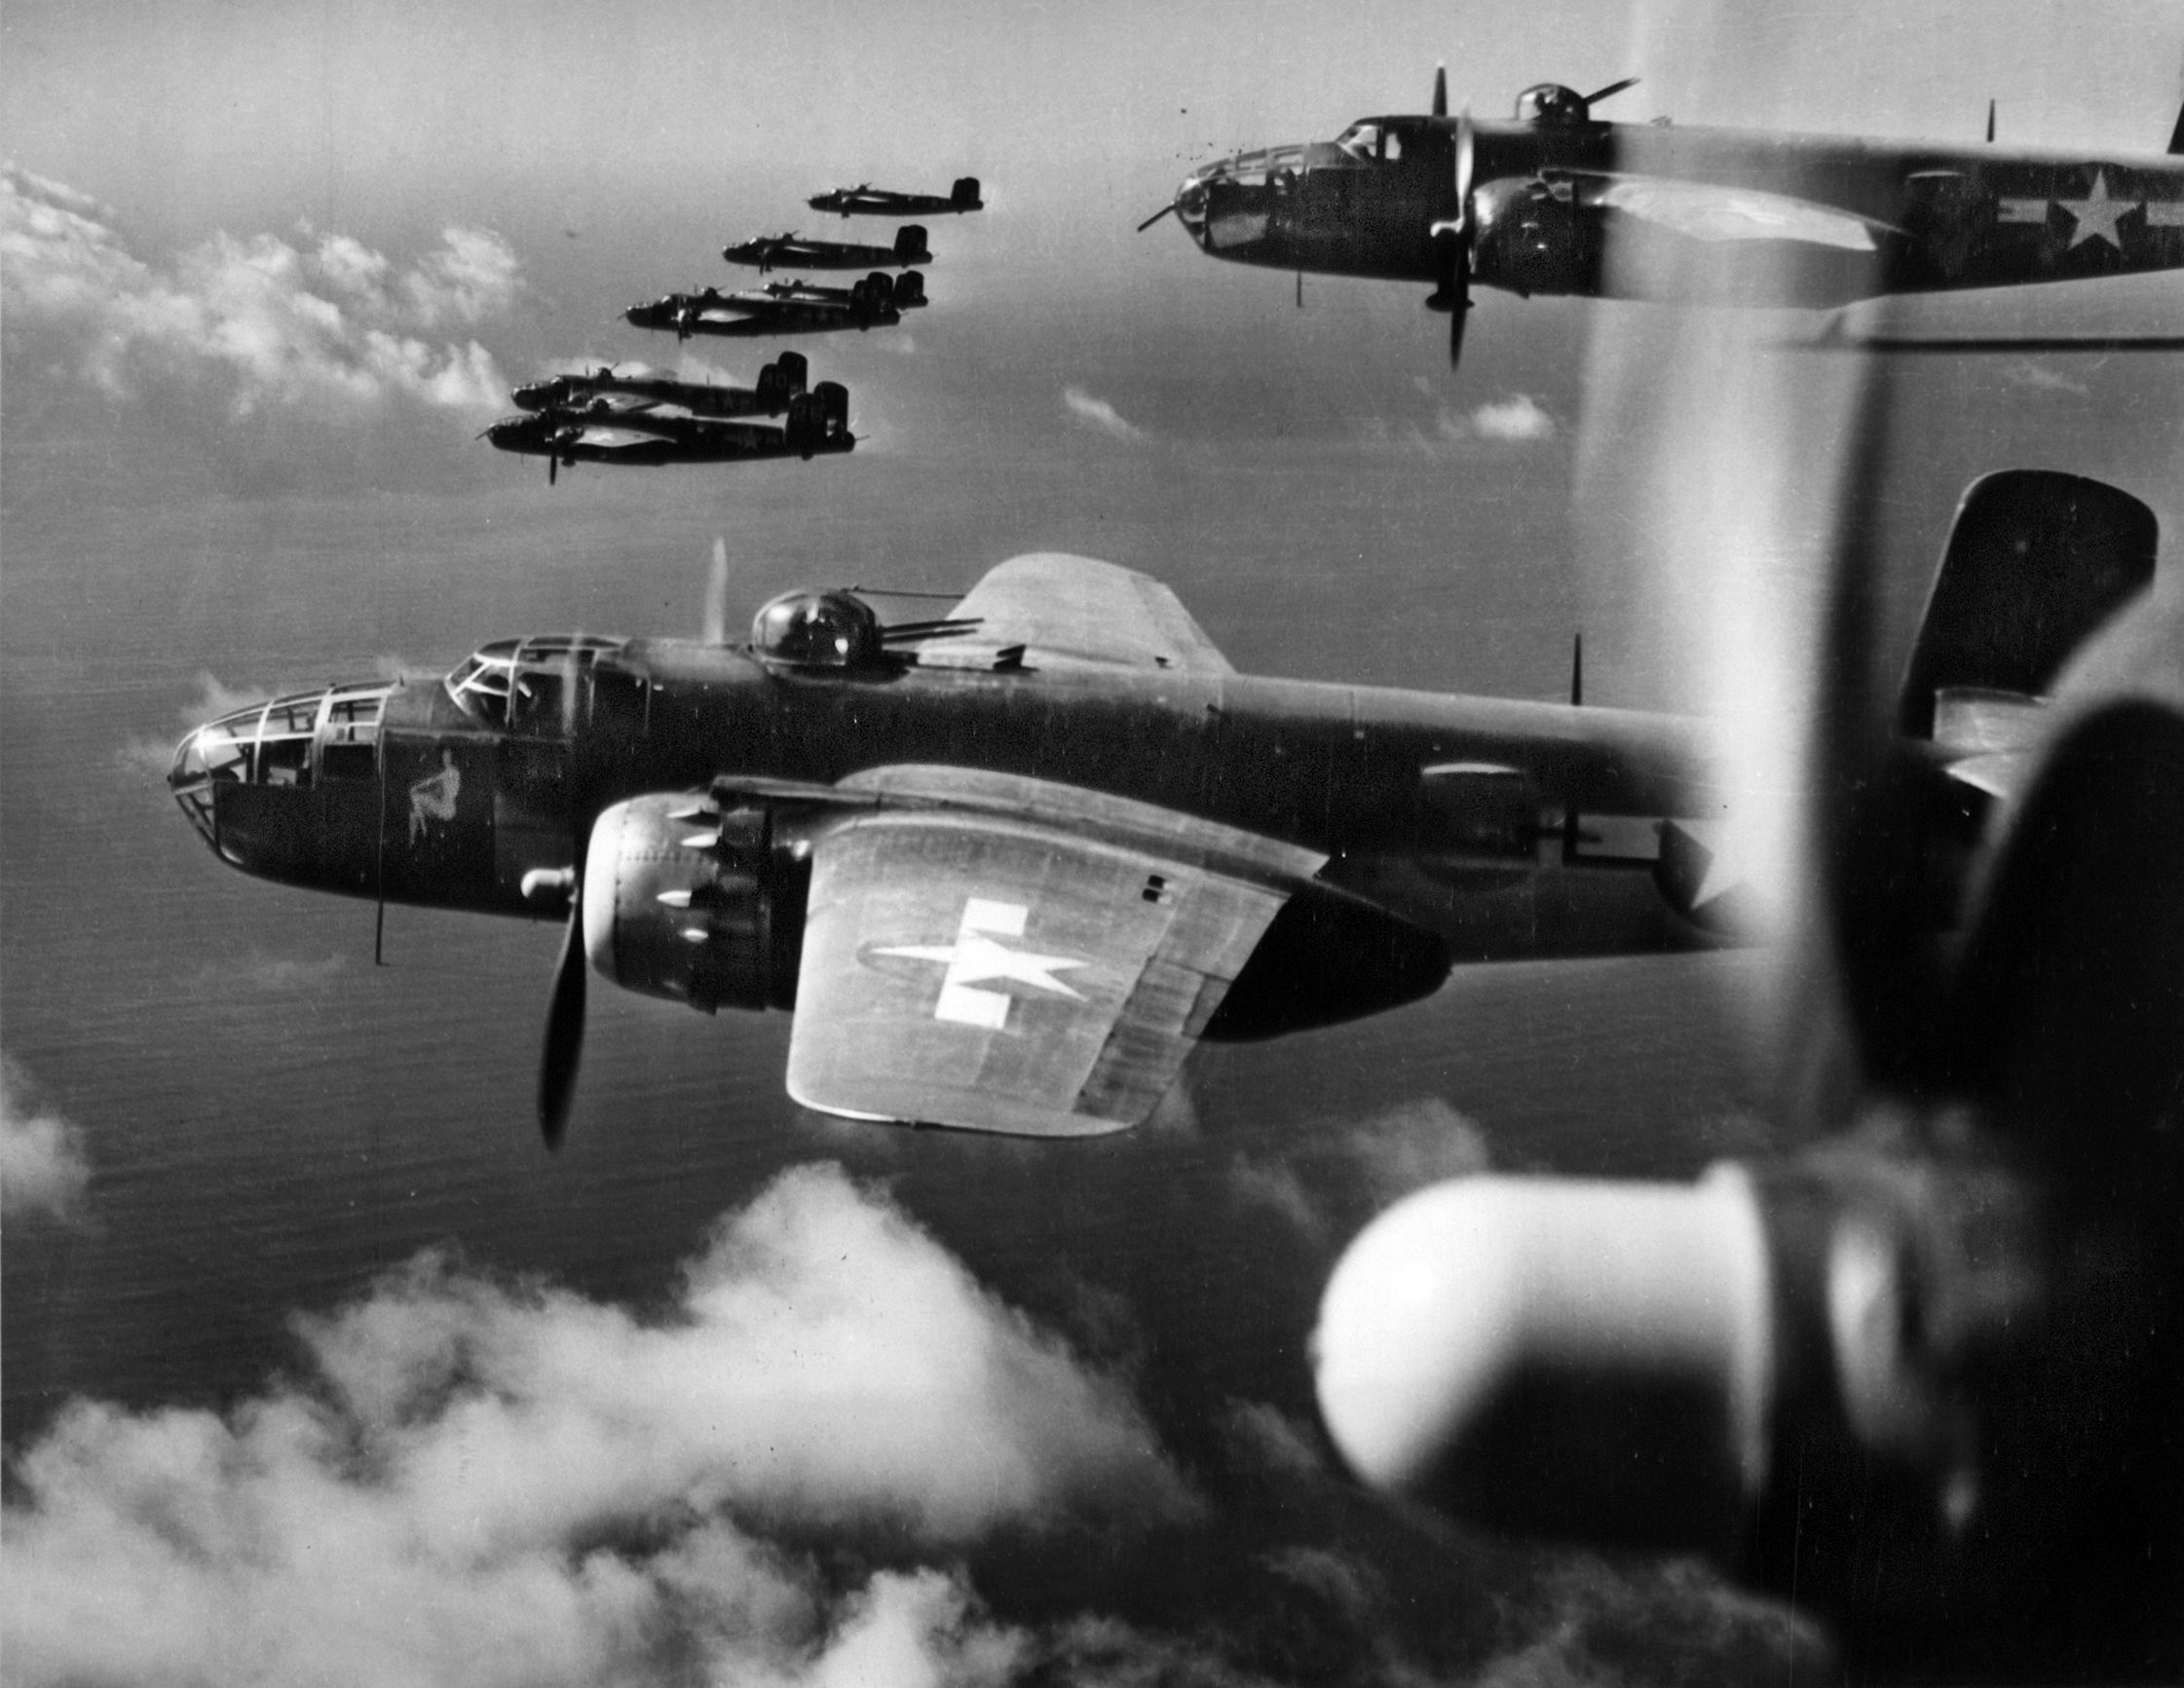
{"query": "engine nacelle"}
(684, 901)
(1533, 237)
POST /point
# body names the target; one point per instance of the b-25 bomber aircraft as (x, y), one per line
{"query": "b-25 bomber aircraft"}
(608, 428)
(790, 250)
(1007, 866)
(778, 383)
(866, 201)
(1557, 201)
(878, 301)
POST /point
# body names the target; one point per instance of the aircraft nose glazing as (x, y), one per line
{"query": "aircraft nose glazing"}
(286, 749)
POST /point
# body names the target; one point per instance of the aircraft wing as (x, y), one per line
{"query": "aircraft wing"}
(1719, 215)
(1065, 611)
(1020, 970)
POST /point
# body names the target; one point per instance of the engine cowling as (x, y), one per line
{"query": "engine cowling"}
(698, 905)
(1532, 236)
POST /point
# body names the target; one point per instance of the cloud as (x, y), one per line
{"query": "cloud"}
(480, 1481)
(1413, 1144)
(43, 1168)
(1349, 1170)
(148, 756)
(331, 327)
(1100, 414)
(1518, 418)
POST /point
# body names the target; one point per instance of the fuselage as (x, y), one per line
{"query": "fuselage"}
(757, 314)
(1549, 196)
(699, 398)
(1447, 812)
(803, 254)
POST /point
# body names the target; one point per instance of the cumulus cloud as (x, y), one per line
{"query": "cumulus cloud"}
(43, 1167)
(1352, 1168)
(1099, 414)
(150, 755)
(329, 325)
(477, 1481)
(1518, 418)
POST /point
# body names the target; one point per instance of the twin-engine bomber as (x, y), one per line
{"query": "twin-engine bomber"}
(778, 383)
(791, 250)
(866, 201)
(1538, 205)
(1009, 865)
(878, 301)
(614, 428)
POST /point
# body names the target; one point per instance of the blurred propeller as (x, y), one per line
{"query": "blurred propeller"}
(1613, 88)
(1453, 237)
(1165, 210)
(715, 630)
(563, 1051)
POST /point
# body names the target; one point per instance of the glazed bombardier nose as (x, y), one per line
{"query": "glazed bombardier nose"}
(244, 779)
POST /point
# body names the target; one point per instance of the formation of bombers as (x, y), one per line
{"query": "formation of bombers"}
(603, 417)
(1006, 867)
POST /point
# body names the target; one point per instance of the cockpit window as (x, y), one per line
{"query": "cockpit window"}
(526, 684)
(1360, 141)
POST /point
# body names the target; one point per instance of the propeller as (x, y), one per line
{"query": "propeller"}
(1453, 237)
(1167, 209)
(563, 1051)
(716, 594)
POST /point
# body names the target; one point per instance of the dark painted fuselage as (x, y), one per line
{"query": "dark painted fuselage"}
(459, 807)
(1547, 203)
(790, 251)
(652, 440)
(757, 314)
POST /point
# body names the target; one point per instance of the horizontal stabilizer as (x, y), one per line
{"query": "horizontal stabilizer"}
(2036, 561)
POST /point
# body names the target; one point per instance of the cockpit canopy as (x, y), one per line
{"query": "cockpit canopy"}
(817, 630)
(525, 683)
(1383, 139)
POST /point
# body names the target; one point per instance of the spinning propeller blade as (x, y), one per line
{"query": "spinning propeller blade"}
(1163, 212)
(1453, 238)
(563, 1051)
(716, 594)
(1613, 88)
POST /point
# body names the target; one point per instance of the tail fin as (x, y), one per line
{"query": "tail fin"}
(910, 245)
(2177, 135)
(2036, 561)
(965, 193)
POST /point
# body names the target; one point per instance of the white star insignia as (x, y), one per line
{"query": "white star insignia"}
(2098, 215)
(975, 958)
